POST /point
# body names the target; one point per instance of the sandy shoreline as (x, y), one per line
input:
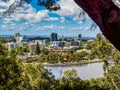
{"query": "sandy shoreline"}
(72, 63)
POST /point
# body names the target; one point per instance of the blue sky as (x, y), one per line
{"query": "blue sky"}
(31, 19)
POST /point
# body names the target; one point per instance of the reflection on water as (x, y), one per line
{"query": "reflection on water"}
(85, 71)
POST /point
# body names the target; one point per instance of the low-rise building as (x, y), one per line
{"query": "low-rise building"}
(12, 45)
(75, 43)
(57, 44)
(61, 50)
(32, 46)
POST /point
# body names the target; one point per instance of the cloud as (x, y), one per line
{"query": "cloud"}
(48, 27)
(62, 27)
(3, 26)
(52, 19)
(4, 5)
(87, 28)
(62, 19)
(68, 8)
(27, 20)
(117, 2)
(76, 18)
(80, 22)
(26, 12)
(77, 28)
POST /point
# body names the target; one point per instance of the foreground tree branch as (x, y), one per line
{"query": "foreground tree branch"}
(106, 15)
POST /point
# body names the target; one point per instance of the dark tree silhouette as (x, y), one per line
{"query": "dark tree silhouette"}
(106, 15)
(37, 50)
(49, 4)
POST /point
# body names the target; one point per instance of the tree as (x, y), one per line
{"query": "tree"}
(37, 51)
(68, 74)
(116, 56)
(38, 77)
(113, 77)
(2, 40)
(106, 15)
(70, 81)
(49, 4)
(100, 49)
(10, 71)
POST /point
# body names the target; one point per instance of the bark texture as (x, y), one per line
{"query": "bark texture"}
(106, 15)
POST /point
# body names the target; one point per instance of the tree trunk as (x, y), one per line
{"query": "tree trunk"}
(106, 15)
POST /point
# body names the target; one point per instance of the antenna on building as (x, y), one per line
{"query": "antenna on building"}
(61, 28)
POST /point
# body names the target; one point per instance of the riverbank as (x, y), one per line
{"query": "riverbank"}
(72, 63)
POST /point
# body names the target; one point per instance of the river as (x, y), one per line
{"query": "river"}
(85, 71)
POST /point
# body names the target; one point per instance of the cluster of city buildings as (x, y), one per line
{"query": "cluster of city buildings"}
(63, 42)
(53, 41)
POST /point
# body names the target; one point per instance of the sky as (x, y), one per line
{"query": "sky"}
(31, 19)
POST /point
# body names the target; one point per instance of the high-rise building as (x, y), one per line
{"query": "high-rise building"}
(79, 36)
(17, 34)
(53, 37)
(18, 38)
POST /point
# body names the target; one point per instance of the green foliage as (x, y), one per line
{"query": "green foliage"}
(100, 49)
(19, 51)
(10, 71)
(17, 76)
(99, 37)
(113, 77)
(71, 81)
(13, 52)
(2, 40)
(72, 50)
(69, 74)
(3, 50)
(35, 77)
(105, 65)
(55, 57)
(116, 56)
(45, 51)
(38, 77)
(90, 45)
(82, 44)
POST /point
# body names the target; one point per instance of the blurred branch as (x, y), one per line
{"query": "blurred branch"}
(49, 4)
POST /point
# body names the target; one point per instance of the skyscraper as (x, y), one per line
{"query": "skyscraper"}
(53, 37)
(17, 34)
(79, 36)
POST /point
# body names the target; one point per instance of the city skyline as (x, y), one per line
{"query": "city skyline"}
(31, 19)
(45, 36)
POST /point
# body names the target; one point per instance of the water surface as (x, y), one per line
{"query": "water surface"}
(85, 71)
